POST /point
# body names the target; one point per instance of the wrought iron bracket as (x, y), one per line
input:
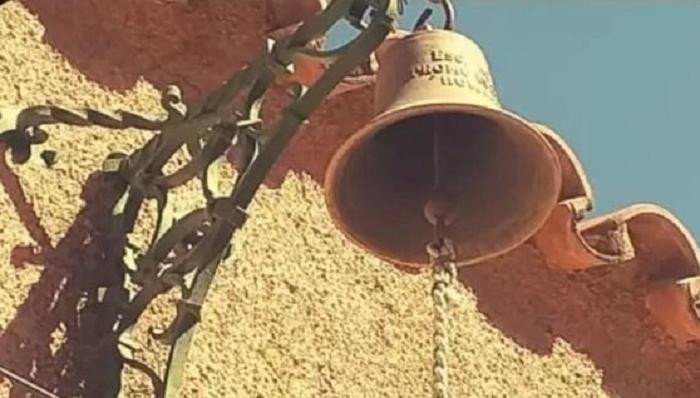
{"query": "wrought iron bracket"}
(197, 242)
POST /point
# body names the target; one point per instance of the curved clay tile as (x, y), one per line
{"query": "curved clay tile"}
(561, 240)
(662, 249)
(574, 181)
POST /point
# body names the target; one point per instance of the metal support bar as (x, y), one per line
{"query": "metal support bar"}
(198, 242)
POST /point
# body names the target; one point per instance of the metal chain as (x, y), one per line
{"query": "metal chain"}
(442, 258)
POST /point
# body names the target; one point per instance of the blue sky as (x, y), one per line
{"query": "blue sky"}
(619, 80)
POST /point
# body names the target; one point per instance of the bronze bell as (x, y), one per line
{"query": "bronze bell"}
(440, 142)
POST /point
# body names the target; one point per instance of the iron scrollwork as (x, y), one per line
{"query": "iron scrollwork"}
(194, 245)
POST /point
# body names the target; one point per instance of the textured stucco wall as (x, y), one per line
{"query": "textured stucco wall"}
(296, 312)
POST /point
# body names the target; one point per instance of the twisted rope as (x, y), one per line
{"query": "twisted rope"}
(444, 273)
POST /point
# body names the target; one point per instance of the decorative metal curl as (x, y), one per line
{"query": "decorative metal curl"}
(448, 9)
(196, 244)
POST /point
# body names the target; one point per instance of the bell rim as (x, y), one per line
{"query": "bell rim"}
(392, 115)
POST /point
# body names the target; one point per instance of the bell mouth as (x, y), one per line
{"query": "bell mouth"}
(499, 174)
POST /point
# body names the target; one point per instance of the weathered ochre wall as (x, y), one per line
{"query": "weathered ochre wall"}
(296, 312)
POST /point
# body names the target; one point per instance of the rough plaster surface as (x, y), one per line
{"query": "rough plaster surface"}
(297, 311)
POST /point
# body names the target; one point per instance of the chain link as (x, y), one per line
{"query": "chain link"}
(442, 257)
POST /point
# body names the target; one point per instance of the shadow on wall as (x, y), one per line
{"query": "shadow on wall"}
(601, 312)
(194, 44)
(72, 272)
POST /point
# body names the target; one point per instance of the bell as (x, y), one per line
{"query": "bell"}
(441, 155)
